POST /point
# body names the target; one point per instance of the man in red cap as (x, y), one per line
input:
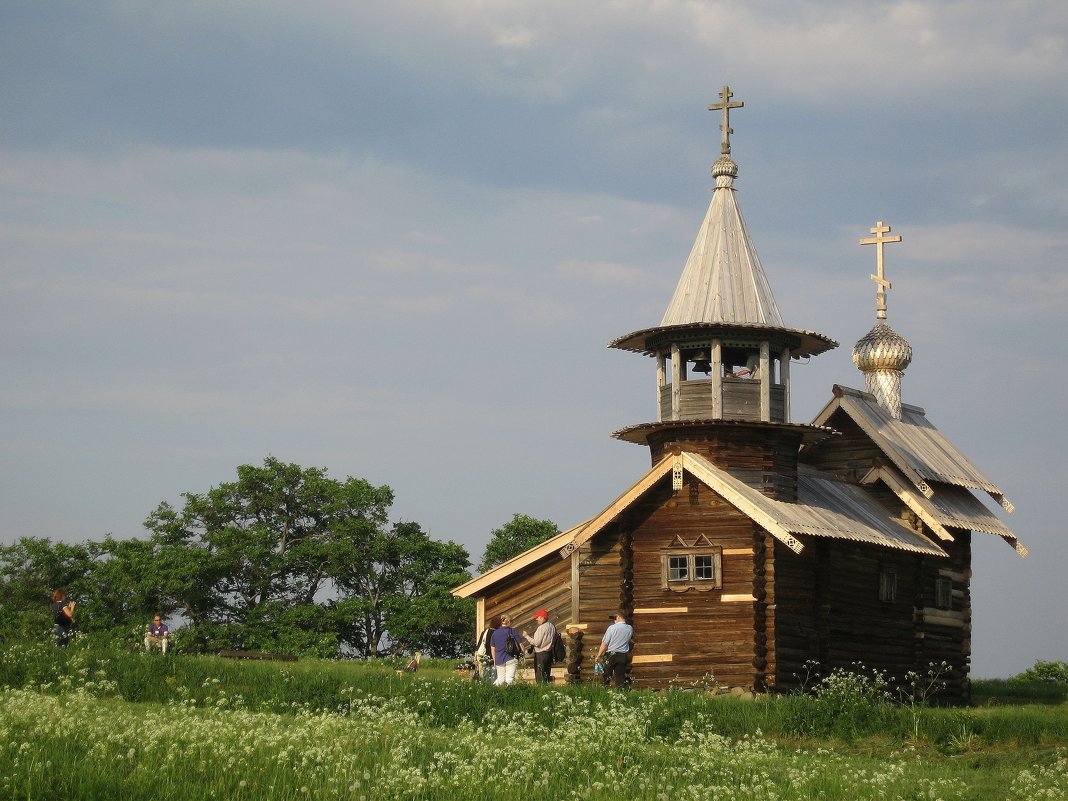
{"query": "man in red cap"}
(542, 641)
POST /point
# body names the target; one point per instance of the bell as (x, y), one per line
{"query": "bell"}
(701, 363)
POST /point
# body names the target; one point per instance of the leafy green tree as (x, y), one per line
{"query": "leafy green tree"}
(30, 569)
(519, 534)
(287, 559)
(402, 593)
(244, 551)
(283, 559)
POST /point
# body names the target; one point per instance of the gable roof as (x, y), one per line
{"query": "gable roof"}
(918, 449)
(826, 508)
(515, 564)
(949, 507)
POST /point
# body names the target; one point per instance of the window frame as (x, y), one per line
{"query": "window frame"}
(678, 551)
(943, 592)
(888, 585)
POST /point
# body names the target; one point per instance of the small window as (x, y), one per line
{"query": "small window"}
(704, 567)
(944, 592)
(888, 585)
(687, 565)
(678, 568)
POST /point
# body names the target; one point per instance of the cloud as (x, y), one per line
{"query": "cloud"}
(602, 272)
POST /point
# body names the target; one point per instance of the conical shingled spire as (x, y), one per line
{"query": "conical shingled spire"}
(723, 280)
(722, 352)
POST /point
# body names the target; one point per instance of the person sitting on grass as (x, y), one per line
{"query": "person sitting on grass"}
(157, 634)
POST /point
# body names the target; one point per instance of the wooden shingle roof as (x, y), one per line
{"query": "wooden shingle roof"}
(825, 508)
(912, 444)
(723, 280)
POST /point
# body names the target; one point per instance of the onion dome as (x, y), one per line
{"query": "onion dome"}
(724, 171)
(882, 354)
(882, 348)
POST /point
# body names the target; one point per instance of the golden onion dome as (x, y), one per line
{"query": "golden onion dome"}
(882, 348)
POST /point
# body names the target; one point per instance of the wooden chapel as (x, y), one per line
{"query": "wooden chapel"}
(755, 547)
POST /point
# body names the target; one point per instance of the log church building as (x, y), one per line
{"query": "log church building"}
(757, 548)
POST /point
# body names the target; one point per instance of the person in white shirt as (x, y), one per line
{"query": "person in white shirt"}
(542, 641)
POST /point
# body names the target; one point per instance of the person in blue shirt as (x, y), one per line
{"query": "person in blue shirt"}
(504, 663)
(157, 634)
(615, 648)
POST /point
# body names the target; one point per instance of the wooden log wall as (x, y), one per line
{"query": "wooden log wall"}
(828, 610)
(764, 457)
(764, 609)
(848, 456)
(681, 637)
(544, 585)
(600, 582)
(797, 635)
(740, 400)
(944, 635)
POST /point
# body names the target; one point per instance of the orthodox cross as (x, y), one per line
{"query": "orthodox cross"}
(725, 126)
(880, 280)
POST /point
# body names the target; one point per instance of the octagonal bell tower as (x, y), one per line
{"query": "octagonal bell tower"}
(723, 353)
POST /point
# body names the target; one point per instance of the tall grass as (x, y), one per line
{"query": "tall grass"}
(98, 722)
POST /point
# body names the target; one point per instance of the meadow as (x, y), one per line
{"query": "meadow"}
(95, 721)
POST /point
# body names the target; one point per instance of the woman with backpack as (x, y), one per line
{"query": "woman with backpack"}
(505, 647)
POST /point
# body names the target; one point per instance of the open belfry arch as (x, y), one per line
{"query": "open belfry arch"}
(755, 546)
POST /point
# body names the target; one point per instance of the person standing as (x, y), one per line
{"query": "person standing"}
(157, 634)
(542, 641)
(62, 616)
(615, 648)
(484, 670)
(504, 663)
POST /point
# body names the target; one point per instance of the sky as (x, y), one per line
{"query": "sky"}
(392, 240)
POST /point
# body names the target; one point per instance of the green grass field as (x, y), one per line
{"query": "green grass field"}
(96, 722)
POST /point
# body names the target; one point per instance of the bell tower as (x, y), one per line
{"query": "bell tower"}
(723, 353)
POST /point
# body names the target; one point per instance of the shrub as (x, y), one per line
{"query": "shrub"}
(1056, 672)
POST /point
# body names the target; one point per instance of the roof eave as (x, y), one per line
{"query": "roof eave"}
(807, 343)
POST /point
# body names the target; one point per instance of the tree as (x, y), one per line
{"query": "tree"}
(248, 553)
(402, 592)
(283, 559)
(30, 569)
(115, 583)
(289, 560)
(519, 534)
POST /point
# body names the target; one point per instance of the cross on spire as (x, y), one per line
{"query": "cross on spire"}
(725, 126)
(880, 279)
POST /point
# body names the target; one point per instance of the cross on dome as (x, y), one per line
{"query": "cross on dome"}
(880, 279)
(725, 126)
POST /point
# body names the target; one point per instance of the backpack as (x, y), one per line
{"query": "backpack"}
(559, 648)
(511, 647)
(483, 642)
